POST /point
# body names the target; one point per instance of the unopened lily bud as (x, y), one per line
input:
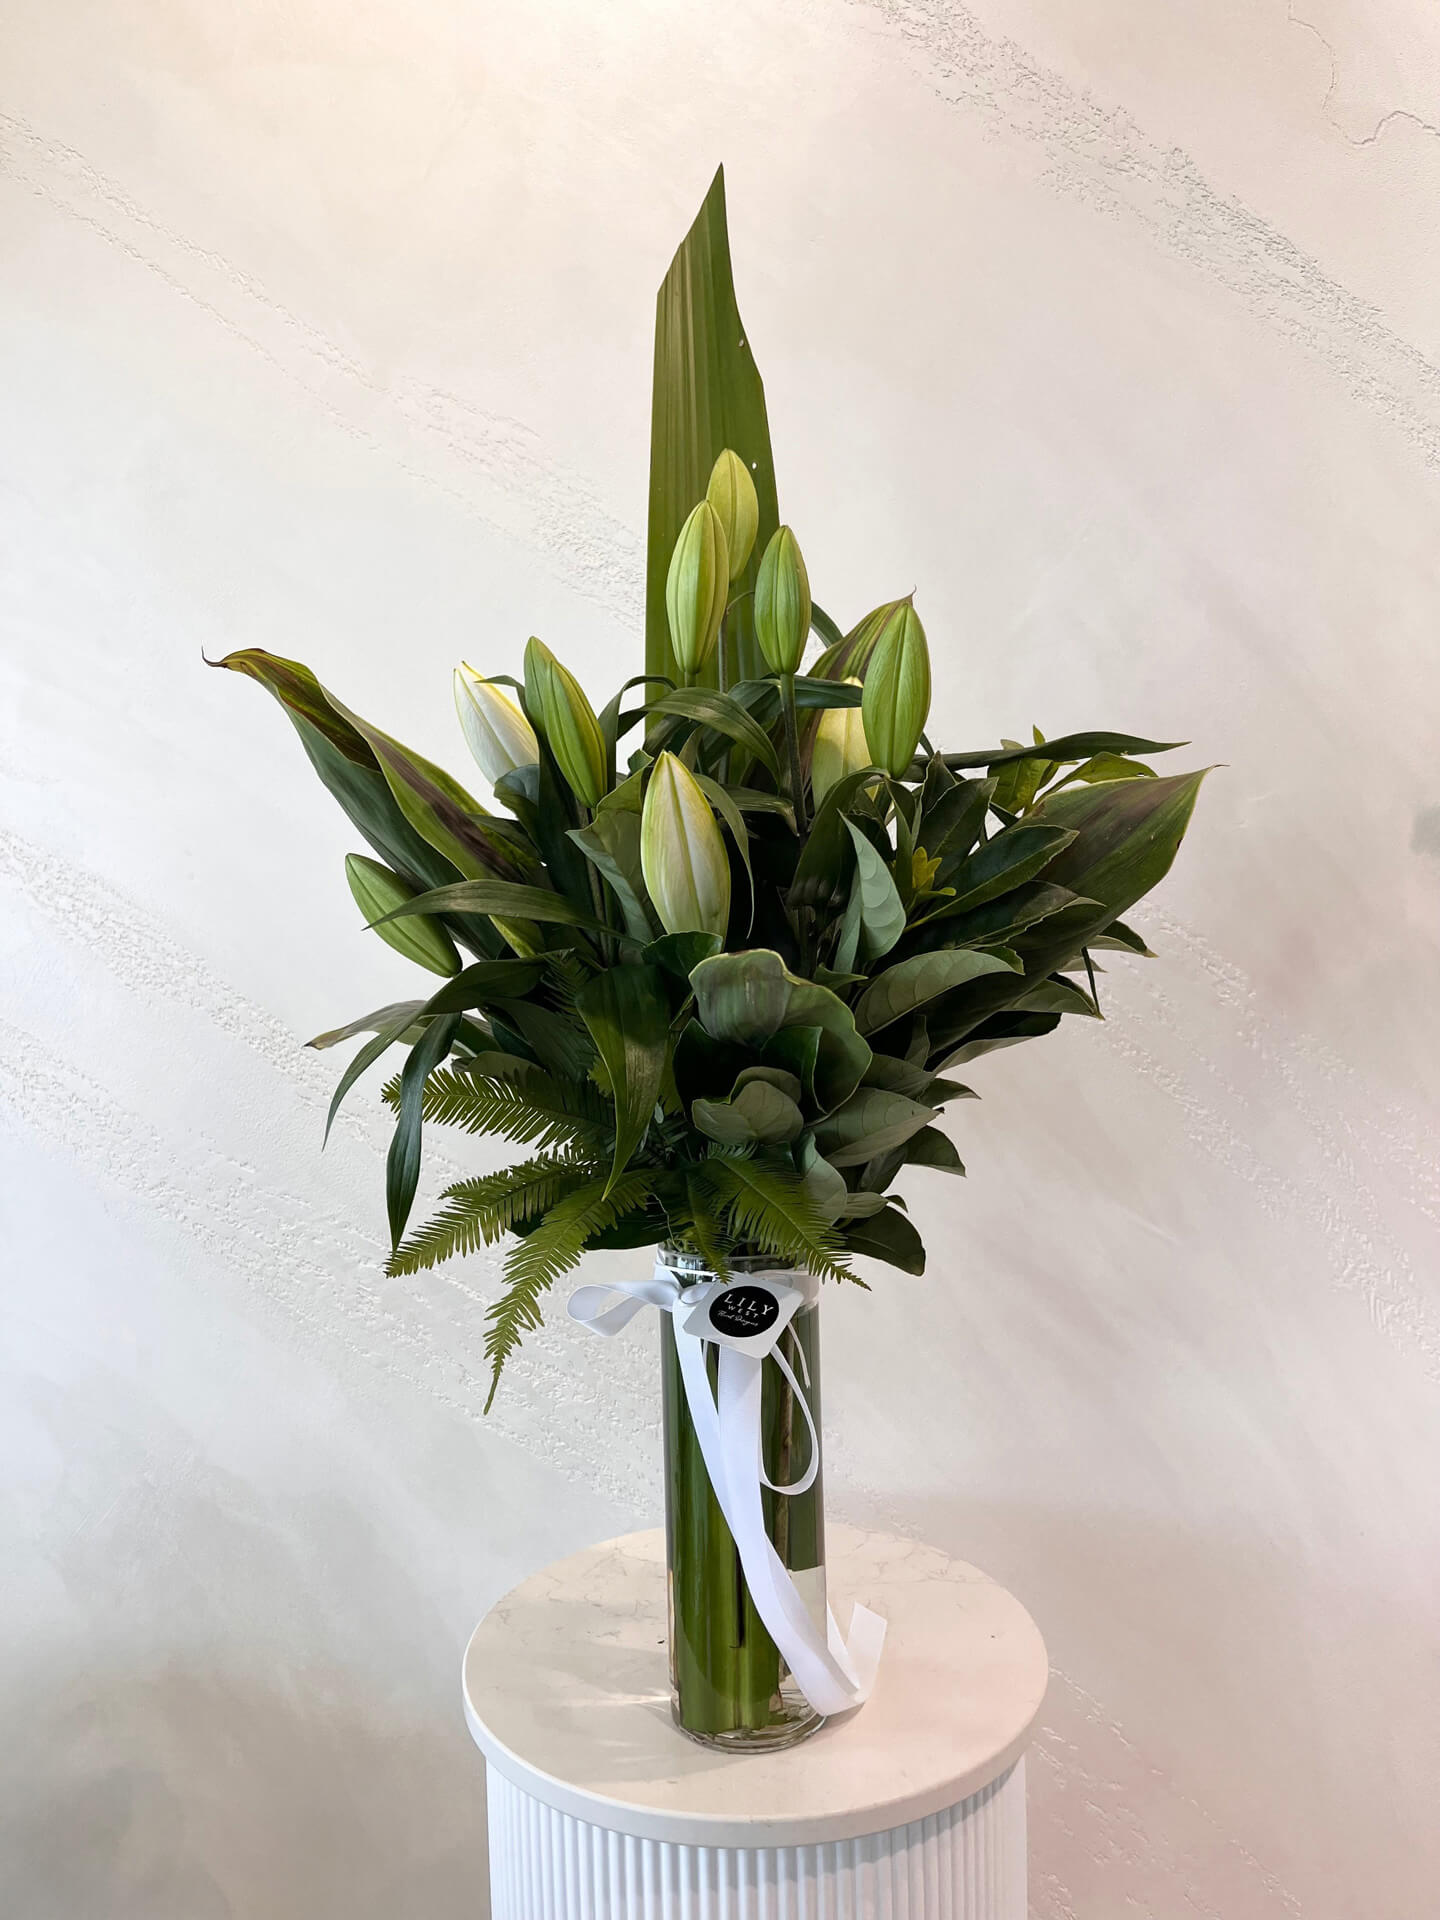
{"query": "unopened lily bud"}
(696, 588)
(378, 891)
(782, 603)
(731, 493)
(840, 747)
(560, 710)
(496, 731)
(682, 855)
(897, 691)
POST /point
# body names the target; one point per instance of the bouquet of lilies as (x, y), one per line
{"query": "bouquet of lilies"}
(714, 959)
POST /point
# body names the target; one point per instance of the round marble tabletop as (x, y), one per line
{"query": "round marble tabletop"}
(567, 1694)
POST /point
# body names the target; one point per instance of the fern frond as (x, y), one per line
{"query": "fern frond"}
(477, 1212)
(542, 1256)
(704, 1228)
(530, 1108)
(770, 1208)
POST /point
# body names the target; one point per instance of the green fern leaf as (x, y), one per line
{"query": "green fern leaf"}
(521, 1103)
(772, 1209)
(533, 1267)
(477, 1212)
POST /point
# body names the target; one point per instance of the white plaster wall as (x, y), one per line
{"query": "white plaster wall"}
(326, 328)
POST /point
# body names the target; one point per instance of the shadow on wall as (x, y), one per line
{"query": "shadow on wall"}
(199, 1795)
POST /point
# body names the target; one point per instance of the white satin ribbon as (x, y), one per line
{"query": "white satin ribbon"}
(835, 1673)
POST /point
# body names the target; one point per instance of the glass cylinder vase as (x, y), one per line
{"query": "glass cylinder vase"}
(729, 1684)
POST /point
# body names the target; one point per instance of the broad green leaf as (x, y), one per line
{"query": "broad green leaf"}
(533, 794)
(870, 1121)
(729, 812)
(1056, 996)
(824, 1184)
(1119, 938)
(910, 983)
(680, 953)
(999, 1030)
(758, 1113)
(1012, 856)
(508, 902)
(862, 1206)
(612, 842)
(889, 1237)
(402, 1162)
(1108, 766)
(932, 1148)
(717, 711)
(788, 1083)
(820, 870)
(706, 1068)
(897, 1076)
(796, 1051)
(882, 917)
(627, 1010)
(708, 395)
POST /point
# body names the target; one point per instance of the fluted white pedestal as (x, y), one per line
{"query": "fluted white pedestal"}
(911, 1808)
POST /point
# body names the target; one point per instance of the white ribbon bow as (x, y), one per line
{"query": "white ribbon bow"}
(833, 1673)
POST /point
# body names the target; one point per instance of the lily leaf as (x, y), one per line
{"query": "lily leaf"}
(721, 714)
(708, 395)
(612, 842)
(375, 1022)
(627, 1010)
(1070, 746)
(910, 983)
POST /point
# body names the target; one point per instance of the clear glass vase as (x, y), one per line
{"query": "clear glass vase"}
(729, 1686)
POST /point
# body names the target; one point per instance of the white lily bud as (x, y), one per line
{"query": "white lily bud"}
(496, 731)
(840, 747)
(682, 854)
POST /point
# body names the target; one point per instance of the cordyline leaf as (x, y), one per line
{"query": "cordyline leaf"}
(440, 809)
(375, 1022)
(402, 1163)
(627, 1010)
(998, 921)
(508, 901)
(910, 983)
(720, 714)
(708, 396)
(1070, 746)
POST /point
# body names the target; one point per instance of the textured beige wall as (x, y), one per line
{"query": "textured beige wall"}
(1114, 329)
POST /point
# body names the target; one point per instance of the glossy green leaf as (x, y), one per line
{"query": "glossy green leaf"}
(870, 1121)
(375, 1022)
(680, 953)
(932, 1148)
(999, 1030)
(882, 917)
(861, 1205)
(1000, 920)
(910, 983)
(627, 1011)
(824, 1184)
(1056, 995)
(1119, 938)
(758, 1113)
(897, 1076)
(708, 395)
(890, 1237)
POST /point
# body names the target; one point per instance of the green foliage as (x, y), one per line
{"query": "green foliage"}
(759, 1086)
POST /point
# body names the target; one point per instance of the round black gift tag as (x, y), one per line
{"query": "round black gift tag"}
(743, 1312)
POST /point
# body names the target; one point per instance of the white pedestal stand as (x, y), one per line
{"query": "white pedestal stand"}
(911, 1808)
